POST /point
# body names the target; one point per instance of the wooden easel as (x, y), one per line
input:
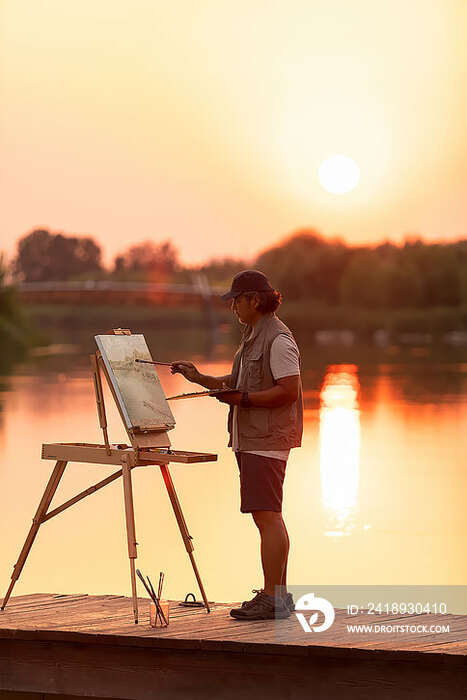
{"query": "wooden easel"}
(150, 445)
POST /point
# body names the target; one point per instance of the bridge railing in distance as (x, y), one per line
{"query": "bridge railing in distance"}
(112, 292)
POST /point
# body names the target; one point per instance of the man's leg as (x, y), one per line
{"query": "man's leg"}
(284, 573)
(274, 549)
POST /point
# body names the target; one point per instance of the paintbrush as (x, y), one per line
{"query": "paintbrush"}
(161, 581)
(151, 587)
(159, 611)
(151, 362)
(148, 591)
(158, 599)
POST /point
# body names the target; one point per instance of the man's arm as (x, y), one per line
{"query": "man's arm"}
(284, 362)
(283, 392)
(190, 372)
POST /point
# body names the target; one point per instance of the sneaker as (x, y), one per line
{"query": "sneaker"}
(288, 600)
(249, 603)
(261, 608)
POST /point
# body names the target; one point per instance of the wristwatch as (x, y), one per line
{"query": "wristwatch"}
(245, 401)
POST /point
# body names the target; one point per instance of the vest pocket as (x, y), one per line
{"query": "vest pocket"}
(254, 372)
(254, 422)
(284, 421)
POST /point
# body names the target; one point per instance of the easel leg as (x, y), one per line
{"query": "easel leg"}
(130, 529)
(36, 523)
(187, 539)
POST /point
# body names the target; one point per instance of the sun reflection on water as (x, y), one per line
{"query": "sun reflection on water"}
(340, 447)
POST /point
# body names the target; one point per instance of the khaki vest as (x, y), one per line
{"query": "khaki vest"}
(261, 428)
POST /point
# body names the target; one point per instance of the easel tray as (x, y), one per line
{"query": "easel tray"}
(94, 453)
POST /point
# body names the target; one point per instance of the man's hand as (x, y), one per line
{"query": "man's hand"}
(285, 391)
(190, 372)
(187, 369)
(230, 397)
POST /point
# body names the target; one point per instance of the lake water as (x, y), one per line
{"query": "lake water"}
(376, 494)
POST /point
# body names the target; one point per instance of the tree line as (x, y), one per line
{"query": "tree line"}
(304, 266)
(413, 275)
(15, 333)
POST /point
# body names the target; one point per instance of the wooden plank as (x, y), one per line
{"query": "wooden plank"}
(62, 611)
(52, 614)
(7, 695)
(17, 604)
(142, 673)
(28, 599)
(56, 602)
(86, 453)
(63, 606)
(100, 616)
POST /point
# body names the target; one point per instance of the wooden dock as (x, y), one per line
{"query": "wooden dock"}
(65, 646)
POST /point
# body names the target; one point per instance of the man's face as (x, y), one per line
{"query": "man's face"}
(244, 308)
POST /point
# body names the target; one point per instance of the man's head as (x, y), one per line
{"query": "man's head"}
(252, 296)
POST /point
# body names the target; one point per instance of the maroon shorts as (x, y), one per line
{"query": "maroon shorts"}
(261, 481)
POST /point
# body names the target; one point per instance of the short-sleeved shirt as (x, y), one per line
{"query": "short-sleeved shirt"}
(284, 361)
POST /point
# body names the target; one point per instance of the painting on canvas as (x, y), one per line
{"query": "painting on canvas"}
(136, 385)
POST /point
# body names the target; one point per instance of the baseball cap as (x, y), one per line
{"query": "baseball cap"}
(248, 281)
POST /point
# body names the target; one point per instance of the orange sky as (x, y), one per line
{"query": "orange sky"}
(206, 122)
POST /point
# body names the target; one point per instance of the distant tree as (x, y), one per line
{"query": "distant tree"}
(8, 299)
(14, 331)
(417, 274)
(460, 249)
(361, 283)
(305, 266)
(222, 270)
(440, 268)
(379, 278)
(147, 260)
(43, 256)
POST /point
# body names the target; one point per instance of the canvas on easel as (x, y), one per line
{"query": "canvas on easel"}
(147, 417)
(136, 385)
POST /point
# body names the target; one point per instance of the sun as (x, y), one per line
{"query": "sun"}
(339, 174)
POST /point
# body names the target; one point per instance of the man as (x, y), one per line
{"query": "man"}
(265, 422)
